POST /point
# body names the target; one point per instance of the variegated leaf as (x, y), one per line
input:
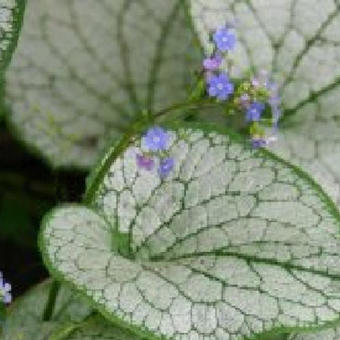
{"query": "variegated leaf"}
(84, 70)
(234, 243)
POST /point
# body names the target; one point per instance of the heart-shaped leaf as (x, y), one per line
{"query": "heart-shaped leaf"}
(231, 244)
(84, 69)
(297, 41)
(11, 13)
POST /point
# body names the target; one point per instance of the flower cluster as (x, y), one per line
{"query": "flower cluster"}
(256, 97)
(5, 291)
(219, 84)
(156, 141)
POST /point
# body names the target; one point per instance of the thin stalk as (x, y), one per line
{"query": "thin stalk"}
(51, 301)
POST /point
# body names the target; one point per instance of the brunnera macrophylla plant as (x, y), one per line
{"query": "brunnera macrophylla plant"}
(187, 230)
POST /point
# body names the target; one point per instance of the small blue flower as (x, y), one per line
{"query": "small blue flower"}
(260, 142)
(219, 86)
(254, 111)
(224, 39)
(156, 139)
(144, 162)
(165, 166)
(212, 63)
(257, 142)
(5, 291)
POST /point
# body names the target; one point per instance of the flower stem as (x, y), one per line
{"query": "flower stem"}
(188, 105)
(51, 301)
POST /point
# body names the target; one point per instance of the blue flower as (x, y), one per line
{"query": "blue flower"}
(212, 63)
(224, 39)
(258, 142)
(219, 86)
(156, 139)
(5, 291)
(144, 162)
(254, 111)
(165, 166)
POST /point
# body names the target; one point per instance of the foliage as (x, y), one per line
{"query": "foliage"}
(186, 230)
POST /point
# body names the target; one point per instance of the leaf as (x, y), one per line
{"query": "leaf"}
(232, 244)
(85, 69)
(72, 319)
(24, 320)
(11, 13)
(297, 41)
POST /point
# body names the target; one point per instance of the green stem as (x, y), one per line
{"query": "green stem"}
(51, 301)
(198, 89)
(195, 100)
(188, 105)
